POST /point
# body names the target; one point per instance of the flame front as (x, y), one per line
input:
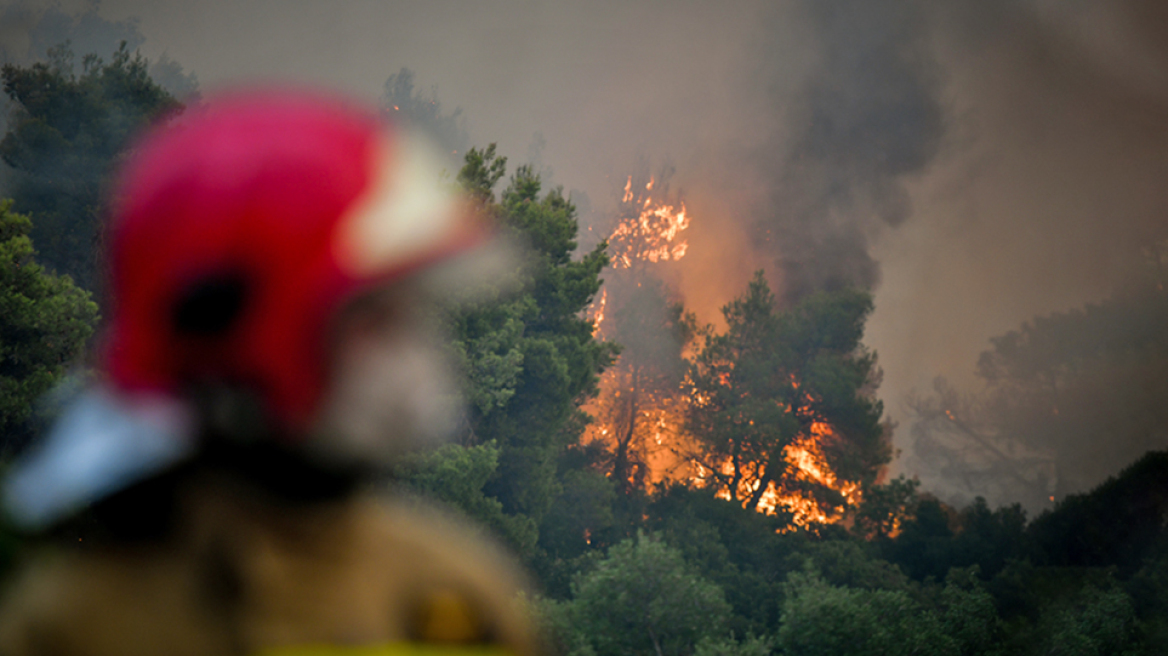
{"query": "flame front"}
(598, 312)
(651, 232)
(808, 467)
(641, 422)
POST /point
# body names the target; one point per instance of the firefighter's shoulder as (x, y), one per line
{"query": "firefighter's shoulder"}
(249, 577)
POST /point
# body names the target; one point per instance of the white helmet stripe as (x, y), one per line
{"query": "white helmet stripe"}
(406, 213)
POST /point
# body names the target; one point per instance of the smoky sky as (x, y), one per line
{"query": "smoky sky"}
(975, 164)
(869, 113)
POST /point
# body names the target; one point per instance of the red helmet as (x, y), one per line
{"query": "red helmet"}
(238, 233)
(241, 229)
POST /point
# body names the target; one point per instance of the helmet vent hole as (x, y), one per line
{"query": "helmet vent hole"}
(211, 306)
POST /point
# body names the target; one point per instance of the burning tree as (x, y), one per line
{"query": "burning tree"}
(639, 409)
(776, 413)
(781, 408)
(650, 227)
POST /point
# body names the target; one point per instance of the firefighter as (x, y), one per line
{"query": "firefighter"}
(268, 353)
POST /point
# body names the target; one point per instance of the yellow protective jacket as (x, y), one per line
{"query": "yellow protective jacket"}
(246, 574)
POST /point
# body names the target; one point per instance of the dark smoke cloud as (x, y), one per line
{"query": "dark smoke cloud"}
(31, 28)
(977, 163)
(1050, 180)
(1049, 190)
(867, 115)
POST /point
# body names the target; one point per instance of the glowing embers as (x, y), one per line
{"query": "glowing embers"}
(640, 422)
(645, 399)
(802, 483)
(650, 229)
(807, 468)
(598, 312)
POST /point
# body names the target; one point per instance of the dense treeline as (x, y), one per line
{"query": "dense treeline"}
(65, 133)
(622, 567)
(691, 573)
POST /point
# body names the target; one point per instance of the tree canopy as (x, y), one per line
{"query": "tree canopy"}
(65, 134)
(406, 105)
(538, 340)
(45, 321)
(644, 598)
(784, 394)
(774, 380)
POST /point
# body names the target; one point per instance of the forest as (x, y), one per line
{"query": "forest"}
(676, 488)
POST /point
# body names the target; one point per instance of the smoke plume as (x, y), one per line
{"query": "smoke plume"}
(866, 116)
(976, 163)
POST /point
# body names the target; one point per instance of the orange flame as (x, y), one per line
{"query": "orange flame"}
(651, 231)
(806, 465)
(806, 457)
(598, 313)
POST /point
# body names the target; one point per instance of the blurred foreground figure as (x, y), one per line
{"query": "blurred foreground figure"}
(268, 352)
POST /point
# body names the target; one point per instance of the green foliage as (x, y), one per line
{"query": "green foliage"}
(825, 620)
(488, 351)
(66, 132)
(530, 360)
(556, 626)
(581, 513)
(761, 385)
(969, 615)
(1097, 622)
(851, 564)
(734, 547)
(644, 598)
(938, 538)
(728, 646)
(535, 357)
(1149, 593)
(848, 580)
(479, 175)
(1118, 523)
(886, 508)
(455, 475)
(45, 321)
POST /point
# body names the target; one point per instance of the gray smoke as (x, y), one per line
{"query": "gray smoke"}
(31, 28)
(867, 115)
(976, 163)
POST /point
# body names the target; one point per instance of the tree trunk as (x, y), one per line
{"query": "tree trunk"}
(656, 643)
(622, 461)
(736, 479)
(763, 484)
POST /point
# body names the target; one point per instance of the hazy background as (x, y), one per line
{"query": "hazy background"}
(976, 165)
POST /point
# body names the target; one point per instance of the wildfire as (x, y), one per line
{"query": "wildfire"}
(598, 312)
(651, 230)
(810, 466)
(803, 468)
(641, 421)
